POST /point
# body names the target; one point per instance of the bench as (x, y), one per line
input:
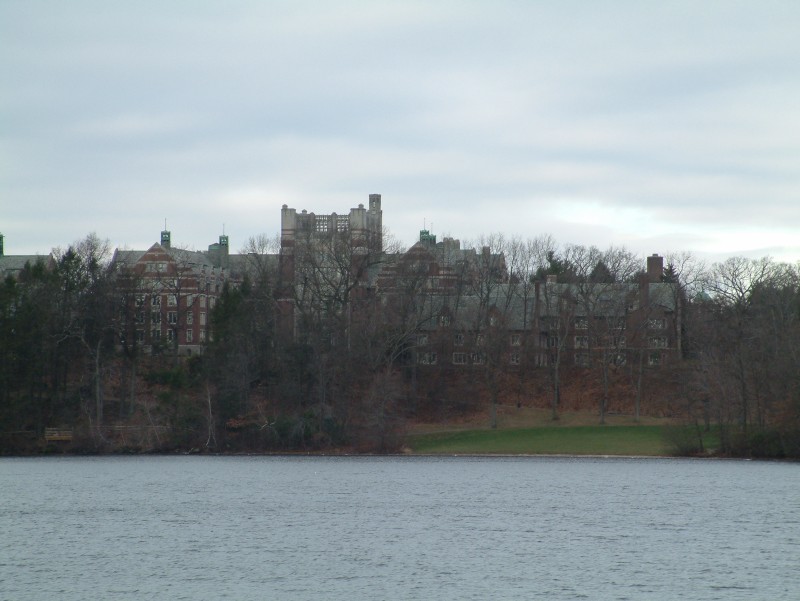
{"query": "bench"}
(57, 435)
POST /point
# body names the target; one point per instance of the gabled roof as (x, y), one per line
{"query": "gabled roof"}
(127, 257)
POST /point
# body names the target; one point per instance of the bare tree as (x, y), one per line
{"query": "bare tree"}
(605, 297)
(734, 286)
(488, 285)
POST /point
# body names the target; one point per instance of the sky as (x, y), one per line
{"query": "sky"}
(657, 126)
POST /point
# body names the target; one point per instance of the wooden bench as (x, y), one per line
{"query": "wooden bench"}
(57, 435)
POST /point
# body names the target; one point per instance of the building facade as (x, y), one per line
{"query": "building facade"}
(167, 294)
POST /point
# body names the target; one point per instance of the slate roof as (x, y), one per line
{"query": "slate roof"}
(466, 311)
(198, 261)
(604, 299)
(13, 264)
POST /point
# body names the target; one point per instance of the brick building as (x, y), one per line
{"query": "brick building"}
(167, 293)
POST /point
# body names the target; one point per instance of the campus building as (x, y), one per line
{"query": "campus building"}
(167, 293)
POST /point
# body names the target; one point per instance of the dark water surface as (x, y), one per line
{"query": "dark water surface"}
(398, 528)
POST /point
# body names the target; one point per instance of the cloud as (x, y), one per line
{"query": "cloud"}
(625, 123)
(132, 125)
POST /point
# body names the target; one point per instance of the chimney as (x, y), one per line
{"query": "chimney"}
(655, 268)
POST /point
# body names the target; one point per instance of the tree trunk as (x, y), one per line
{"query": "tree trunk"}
(556, 391)
(604, 398)
(638, 402)
(98, 389)
(132, 388)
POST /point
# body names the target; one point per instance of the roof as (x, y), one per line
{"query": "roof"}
(467, 311)
(13, 264)
(604, 299)
(236, 266)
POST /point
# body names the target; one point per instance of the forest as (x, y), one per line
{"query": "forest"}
(360, 360)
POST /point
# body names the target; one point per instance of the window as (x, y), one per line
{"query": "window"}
(444, 320)
(212, 301)
(657, 342)
(617, 341)
(479, 340)
(581, 359)
(516, 340)
(478, 358)
(188, 336)
(189, 318)
(155, 317)
(172, 300)
(202, 318)
(202, 301)
(459, 358)
(139, 335)
(155, 300)
(514, 359)
(656, 324)
(552, 341)
(581, 342)
(170, 335)
(140, 317)
(654, 359)
(155, 335)
(427, 358)
(493, 320)
(172, 317)
(619, 359)
(140, 300)
(458, 339)
(581, 323)
(202, 335)
(422, 340)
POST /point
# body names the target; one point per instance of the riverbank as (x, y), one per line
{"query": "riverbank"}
(530, 431)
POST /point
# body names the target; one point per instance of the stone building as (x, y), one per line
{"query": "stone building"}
(325, 262)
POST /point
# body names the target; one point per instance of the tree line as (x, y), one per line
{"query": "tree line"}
(346, 347)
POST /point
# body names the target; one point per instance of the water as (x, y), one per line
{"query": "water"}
(397, 528)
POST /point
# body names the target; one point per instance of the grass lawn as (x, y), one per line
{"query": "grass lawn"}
(569, 440)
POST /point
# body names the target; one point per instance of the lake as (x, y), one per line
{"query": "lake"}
(342, 528)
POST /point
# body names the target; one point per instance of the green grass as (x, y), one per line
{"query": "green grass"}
(575, 440)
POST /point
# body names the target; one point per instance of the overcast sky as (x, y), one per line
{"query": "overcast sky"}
(655, 125)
